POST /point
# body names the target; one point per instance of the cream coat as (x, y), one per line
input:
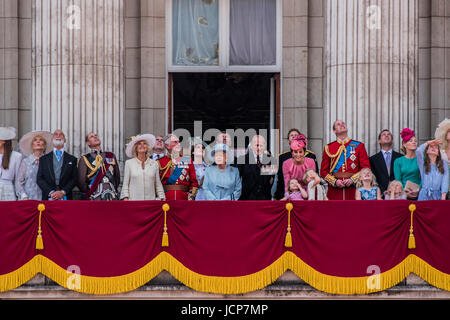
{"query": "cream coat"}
(142, 184)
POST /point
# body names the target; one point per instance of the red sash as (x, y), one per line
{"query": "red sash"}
(101, 173)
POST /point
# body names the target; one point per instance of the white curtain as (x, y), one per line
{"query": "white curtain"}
(253, 32)
(195, 32)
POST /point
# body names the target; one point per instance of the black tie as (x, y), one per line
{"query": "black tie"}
(258, 162)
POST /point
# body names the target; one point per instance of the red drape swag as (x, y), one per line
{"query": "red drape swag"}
(225, 238)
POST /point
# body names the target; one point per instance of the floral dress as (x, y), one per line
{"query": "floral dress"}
(368, 194)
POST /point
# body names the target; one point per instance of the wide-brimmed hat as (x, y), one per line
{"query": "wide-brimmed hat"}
(149, 138)
(7, 133)
(26, 141)
(441, 132)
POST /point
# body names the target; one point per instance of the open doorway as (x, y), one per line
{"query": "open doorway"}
(224, 101)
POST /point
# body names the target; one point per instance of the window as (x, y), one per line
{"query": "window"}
(224, 35)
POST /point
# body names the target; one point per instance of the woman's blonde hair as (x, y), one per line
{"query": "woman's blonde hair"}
(305, 176)
(403, 149)
(135, 153)
(392, 184)
(373, 182)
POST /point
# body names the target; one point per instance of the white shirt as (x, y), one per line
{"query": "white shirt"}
(384, 153)
(156, 156)
(62, 151)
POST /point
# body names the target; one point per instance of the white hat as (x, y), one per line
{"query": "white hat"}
(26, 141)
(441, 132)
(149, 138)
(7, 133)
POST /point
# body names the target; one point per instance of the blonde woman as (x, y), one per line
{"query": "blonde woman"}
(33, 146)
(141, 179)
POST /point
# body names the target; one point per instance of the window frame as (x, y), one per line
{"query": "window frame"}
(224, 44)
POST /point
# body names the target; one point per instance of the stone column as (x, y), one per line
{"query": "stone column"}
(295, 68)
(153, 67)
(371, 68)
(440, 62)
(9, 67)
(77, 65)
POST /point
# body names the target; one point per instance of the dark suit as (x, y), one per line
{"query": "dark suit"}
(46, 175)
(379, 169)
(279, 193)
(254, 185)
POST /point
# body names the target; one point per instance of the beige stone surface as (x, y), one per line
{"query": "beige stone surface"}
(165, 286)
(306, 46)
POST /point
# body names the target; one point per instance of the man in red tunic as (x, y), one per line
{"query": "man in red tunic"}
(342, 160)
(177, 173)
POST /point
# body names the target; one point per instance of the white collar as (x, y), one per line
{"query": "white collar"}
(157, 155)
(384, 151)
(256, 156)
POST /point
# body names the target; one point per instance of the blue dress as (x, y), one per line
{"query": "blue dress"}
(368, 194)
(434, 183)
(222, 184)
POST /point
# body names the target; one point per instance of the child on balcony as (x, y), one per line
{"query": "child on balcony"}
(295, 191)
(395, 191)
(366, 186)
(316, 189)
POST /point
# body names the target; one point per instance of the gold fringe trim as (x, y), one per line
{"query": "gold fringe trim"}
(20, 276)
(225, 285)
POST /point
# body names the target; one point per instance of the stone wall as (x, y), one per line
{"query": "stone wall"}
(304, 86)
(164, 286)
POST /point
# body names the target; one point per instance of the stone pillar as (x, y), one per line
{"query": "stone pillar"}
(25, 71)
(295, 68)
(440, 62)
(424, 72)
(316, 75)
(9, 63)
(132, 121)
(153, 67)
(371, 68)
(77, 68)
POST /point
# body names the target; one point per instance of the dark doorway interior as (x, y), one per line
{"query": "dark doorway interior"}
(222, 100)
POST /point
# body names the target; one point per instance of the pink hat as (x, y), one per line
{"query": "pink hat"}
(299, 142)
(407, 134)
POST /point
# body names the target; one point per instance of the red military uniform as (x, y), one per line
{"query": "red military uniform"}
(178, 180)
(343, 160)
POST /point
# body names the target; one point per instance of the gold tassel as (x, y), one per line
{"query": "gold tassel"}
(165, 237)
(411, 240)
(39, 241)
(288, 240)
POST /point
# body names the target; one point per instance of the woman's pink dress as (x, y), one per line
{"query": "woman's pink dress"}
(291, 170)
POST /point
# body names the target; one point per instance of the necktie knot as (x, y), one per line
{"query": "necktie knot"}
(58, 155)
(258, 161)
